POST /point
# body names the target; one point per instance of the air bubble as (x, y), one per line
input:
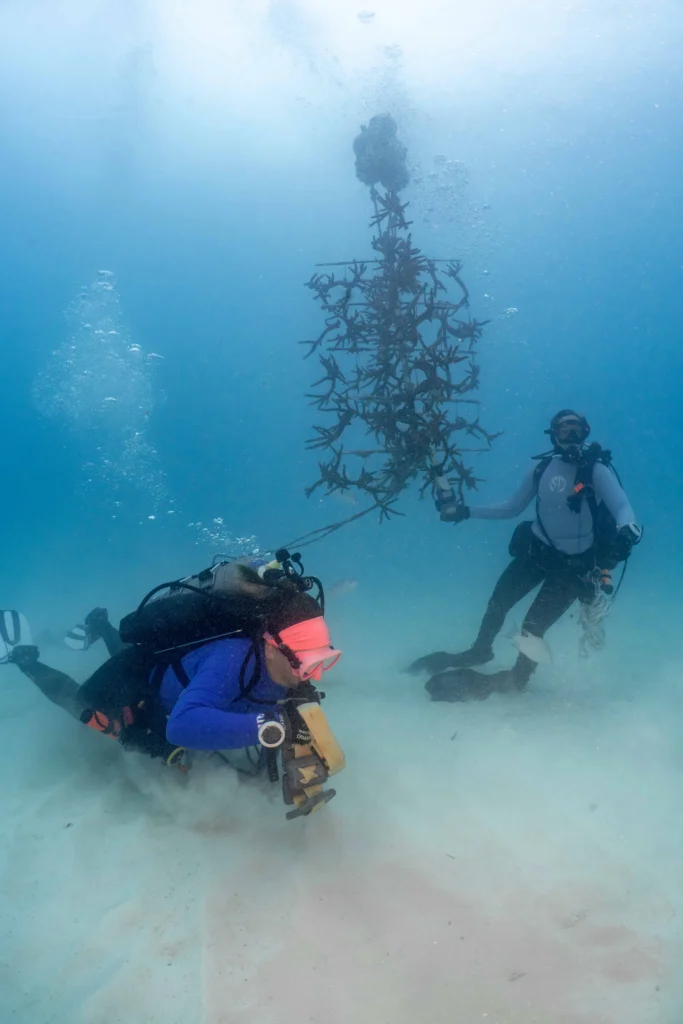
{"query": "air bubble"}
(91, 384)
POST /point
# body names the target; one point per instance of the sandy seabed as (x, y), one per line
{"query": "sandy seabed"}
(510, 862)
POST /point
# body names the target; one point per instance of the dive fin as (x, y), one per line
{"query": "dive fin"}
(77, 638)
(439, 661)
(436, 662)
(14, 631)
(458, 685)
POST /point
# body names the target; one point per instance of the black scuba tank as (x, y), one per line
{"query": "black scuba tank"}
(210, 605)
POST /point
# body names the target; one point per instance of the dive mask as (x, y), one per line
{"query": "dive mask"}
(570, 430)
(307, 647)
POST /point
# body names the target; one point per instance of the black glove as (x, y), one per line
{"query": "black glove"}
(454, 513)
(627, 538)
(300, 732)
(306, 693)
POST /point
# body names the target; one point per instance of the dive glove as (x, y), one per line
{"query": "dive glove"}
(628, 537)
(454, 513)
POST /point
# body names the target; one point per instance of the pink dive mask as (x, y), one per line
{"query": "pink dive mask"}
(309, 642)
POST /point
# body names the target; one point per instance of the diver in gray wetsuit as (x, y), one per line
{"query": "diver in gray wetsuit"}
(584, 522)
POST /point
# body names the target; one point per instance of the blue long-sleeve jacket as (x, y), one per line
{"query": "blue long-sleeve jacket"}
(210, 713)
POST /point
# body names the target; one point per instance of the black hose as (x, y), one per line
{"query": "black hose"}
(179, 585)
(271, 764)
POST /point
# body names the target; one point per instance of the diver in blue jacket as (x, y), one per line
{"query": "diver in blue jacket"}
(224, 694)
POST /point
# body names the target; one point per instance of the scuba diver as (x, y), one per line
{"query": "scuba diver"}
(584, 527)
(225, 660)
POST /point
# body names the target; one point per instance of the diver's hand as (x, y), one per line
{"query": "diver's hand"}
(454, 513)
(306, 693)
(627, 538)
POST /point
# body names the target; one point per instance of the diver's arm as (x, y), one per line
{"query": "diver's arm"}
(198, 727)
(609, 490)
(199, 719)
(513, 506)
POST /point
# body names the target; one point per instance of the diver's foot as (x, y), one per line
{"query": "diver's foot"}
(94, 623)
(80, 637)
(459, 684)
(439, 661)
(23, 655)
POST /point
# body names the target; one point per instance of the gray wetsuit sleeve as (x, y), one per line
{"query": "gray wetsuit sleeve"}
(522, 497)
(609, 490)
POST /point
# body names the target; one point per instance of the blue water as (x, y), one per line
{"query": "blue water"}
(203, 155)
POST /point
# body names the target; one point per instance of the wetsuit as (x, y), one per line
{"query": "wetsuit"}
(558, 551)
(570, 533)
(198, 705)
(210, 713)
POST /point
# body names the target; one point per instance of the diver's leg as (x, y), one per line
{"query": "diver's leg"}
(516, 581)
(556, 596)
(112, 640)
(57, 686)
(460, 681)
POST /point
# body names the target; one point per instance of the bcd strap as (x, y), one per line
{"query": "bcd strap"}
(583, 483)
(159, 671)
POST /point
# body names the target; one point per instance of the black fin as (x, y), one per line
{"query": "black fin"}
(436, 662)
(459, 684)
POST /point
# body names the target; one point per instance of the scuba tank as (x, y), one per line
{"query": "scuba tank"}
(218, 602)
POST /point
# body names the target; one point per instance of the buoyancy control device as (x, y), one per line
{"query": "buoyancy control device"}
(218, 602)
(609, 547)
